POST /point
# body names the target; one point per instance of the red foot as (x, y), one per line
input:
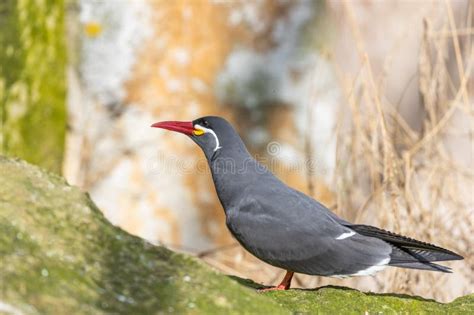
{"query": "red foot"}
(277, 288)
(284, 285)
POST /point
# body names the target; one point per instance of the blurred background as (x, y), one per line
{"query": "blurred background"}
(365, 105)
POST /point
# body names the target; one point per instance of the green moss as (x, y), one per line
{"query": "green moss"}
(59, 255)
(32, 81)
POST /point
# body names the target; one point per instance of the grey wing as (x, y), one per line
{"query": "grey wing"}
(293, 232)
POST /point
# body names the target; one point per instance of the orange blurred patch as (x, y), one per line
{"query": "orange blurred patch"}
(92, 29)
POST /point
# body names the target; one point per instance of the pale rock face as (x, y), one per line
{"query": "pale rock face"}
(113, 32)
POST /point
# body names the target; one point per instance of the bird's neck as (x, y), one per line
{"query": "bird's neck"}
(232, 171)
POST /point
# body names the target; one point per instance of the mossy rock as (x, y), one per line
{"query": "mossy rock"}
(59, 255)
(33, 81)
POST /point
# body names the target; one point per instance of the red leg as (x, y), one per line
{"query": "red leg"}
(284, 284)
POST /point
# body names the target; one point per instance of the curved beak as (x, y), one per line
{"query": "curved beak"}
(185, 127)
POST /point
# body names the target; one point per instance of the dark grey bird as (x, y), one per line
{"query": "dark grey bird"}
(289, 229)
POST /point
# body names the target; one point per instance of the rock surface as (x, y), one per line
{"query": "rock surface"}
(59, 255)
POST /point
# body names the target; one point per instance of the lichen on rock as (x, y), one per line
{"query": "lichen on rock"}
(33, 81)
(59, 255)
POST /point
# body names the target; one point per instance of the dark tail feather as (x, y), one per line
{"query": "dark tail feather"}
(422, 266)
(407, 252)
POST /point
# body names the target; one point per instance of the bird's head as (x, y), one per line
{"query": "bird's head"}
(211, 133)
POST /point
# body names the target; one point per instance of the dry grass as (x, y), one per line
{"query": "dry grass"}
(417, 184)
(397, 177)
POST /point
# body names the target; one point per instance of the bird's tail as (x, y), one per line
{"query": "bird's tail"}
(409, 253)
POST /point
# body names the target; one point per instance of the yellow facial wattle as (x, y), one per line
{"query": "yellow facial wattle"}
(198, 132)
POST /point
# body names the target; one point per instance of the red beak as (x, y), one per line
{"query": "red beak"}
(185, 127)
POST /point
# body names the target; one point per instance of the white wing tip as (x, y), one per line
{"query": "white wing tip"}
(345, 235)
(367, 272)
(373, 269)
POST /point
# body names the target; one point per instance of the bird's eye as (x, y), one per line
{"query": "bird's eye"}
(205, 123)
